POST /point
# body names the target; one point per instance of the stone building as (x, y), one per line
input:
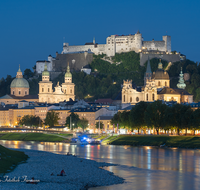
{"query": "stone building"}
(61, 93)
(124, 43)
(156, 87)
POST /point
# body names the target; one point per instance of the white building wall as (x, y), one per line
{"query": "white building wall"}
(40, 65)
(118, 44)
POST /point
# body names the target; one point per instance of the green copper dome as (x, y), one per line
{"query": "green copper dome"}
(68, 74)
(45, 72)
(19, 83)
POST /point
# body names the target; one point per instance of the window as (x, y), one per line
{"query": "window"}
(42, 89)
(124, 98)
(137, 99)
(158, 83)
(13, 92)
(153, 97)
(25, 92)
(147, 97)
(19, 92)
(165, 83)
(130, 99)
(70, 90)
(48, 90)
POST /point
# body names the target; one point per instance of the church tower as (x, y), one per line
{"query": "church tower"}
(148, 74)
(45, 86)
(68, 86)
(181, 83)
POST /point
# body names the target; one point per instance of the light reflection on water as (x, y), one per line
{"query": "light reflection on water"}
(142, 167)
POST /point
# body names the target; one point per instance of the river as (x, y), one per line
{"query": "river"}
(141, 167)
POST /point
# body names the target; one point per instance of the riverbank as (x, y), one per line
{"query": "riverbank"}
(9, 159)
(154, 140)
(33, 137)
(80, 173)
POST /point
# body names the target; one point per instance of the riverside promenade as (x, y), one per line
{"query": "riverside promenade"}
(80, 173)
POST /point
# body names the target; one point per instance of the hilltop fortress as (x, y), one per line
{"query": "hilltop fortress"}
(81, 55)
(118, 44)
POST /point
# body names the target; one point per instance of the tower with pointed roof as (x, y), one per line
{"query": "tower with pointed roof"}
(68, 86)
(148, 74)
(19, 86)
(181, 83)
(45, 87)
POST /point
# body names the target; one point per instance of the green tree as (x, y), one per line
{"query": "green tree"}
(28, 73)
(179, 116)
(30, 120)
(52, 118)
(154, 115)
(136, 116)
(74, 119)
(195, 120)
(101, 125)
(83, 123)
(116, 120)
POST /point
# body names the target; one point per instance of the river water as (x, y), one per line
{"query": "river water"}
(143, 168)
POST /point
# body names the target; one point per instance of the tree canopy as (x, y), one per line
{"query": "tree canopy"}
(52, 118)
(74, 119)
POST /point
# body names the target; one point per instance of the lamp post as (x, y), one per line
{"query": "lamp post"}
(99, 124)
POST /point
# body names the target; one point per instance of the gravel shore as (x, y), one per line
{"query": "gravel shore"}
(80, 173)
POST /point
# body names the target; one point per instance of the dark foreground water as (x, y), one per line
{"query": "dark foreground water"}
(141, 167)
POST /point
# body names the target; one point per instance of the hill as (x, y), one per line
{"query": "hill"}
(106, 78)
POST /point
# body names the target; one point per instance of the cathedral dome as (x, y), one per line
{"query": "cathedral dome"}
(19, 83)
(160, 73)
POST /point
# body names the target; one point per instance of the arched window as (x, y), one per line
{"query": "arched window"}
(19, 92)
(70, 90)
(48, 89)
(158, 83)
(25, 92)
(147, 97)
(153, 97)
(165, 83)
(124, 98)
(137, 99)
(130, 99)
(42, 89)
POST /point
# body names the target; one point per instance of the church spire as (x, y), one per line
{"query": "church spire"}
(181, 83)
(148, 67)
(19, 73)
(68, 75)
(160, 66)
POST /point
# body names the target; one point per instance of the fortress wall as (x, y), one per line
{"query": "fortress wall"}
(81, 59)
(154, 45)
(168, 57)
(67, 49)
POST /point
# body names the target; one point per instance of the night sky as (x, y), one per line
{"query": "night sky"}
(30, 30)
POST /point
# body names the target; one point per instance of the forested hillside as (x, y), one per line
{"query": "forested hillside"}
(106, 78)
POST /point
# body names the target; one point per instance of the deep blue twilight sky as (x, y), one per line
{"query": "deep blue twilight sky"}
(31, 30)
